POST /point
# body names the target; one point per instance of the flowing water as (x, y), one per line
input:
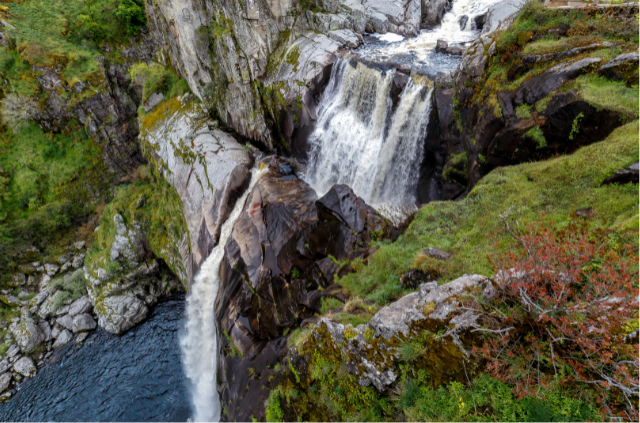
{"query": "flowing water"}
(360, 139)
(199, 342)
(134, 377)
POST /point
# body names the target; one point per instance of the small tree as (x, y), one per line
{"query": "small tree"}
(558, 314)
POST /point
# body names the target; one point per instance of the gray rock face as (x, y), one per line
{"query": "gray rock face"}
(63, 339)
(208, 184)
(13, 351)
(4, 366)
(624, 176)
(81, 305)
(25, 367)
(622, 68)
(120, 313)
(83, 322)
(433, 11)
(27, 335)
(346, 37)
(403, 15)
(501, 14)
(153, 101)
(129, 245)
(5, 381)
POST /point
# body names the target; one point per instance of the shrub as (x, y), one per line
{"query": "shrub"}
(16, 110)
(69, 289)
(155, 78)
(562, 307)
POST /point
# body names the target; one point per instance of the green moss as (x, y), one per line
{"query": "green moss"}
(557, 187)
(69, 289)
(523, 111)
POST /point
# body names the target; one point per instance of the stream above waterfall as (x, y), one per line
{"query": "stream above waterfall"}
(134, 377)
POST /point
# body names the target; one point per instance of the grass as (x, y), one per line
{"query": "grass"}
(604, 93)
(556, 187)
(551, 44)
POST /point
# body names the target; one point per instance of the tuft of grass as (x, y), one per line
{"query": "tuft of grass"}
(523, 112)
(556, 187)
(69, 289)
(329, 303)
(536, 134)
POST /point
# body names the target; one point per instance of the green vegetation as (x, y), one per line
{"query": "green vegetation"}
(155, 78)
(557, 187)
(604, 93)
(69, 289)
(49, 183)
(329, 304)
(153, 204)
(536, 134)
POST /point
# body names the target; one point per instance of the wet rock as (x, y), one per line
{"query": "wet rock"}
(437, 253)
(624, 176)
(622, 68)
(463, 22)
(5, 381)
(433, 11)
(81, 337)
(403, 15)
(63, 339)
(83, 322)
(81, 305)
(441, 46)
(119, 313)
(25, 367)
(477, 22)
(65, 321)
(27, 335)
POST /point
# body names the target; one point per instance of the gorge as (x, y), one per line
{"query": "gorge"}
(297, 210)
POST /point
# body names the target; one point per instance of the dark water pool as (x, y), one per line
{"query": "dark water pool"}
(134, 377)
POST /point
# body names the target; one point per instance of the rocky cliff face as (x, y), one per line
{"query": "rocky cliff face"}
(262, 65)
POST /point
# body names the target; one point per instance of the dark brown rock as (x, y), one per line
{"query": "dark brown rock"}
(413, 278)
(624, 176)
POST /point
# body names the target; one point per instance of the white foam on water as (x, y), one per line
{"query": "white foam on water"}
(389, 37)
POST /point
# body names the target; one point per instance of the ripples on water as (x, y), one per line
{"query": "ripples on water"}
(134, 377)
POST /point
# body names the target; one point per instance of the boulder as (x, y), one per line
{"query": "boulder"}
(403, 15)
(622, 68)
(79, 306)
(63, 339)
(45, 328)
(624, 176)
(25, 367)
(441, 46)
(13, 351)
(433, 12)
(437, 253)
(65, 321)
(5, 381)
(119, 313)
(83, 322)
(463, 22)
(27, 335)
(4, 366)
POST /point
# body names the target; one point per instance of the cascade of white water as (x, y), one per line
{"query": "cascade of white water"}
(199, 341)
(358, 141)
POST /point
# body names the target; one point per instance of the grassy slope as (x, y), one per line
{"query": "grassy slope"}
(557, 187)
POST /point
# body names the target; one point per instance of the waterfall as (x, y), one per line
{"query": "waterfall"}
(199, 342)
(360, 141)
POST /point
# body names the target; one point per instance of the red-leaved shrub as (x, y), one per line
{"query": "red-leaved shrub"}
(559, 314)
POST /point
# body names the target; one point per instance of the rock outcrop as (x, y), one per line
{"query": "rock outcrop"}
(207, 167)
(271, 269)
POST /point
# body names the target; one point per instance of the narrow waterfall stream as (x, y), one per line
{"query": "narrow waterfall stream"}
(199, 342)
